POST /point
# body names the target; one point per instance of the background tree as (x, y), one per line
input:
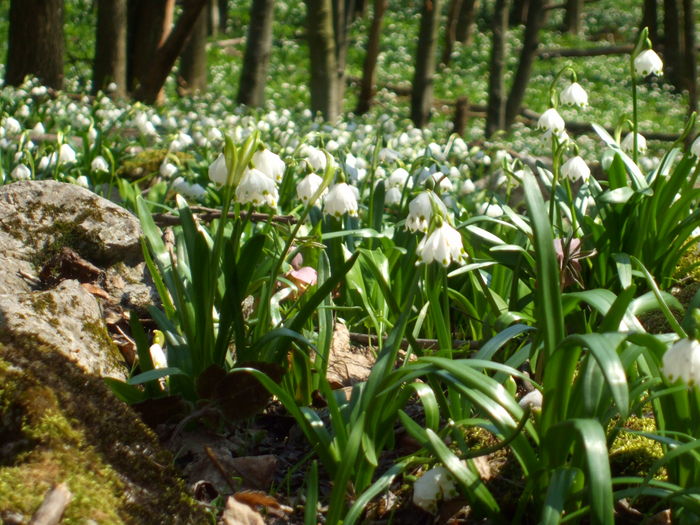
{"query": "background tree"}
(324, 74)
(451, 30)
(496, 109)
(673, 42)
(465, 21)
(251, 90)
(370, 63)
(690, 70)
(342, 13)
(422, 92)
(573, 16)
(109, 65)
(528, 53)
(650, 19)
(192, 75)
(35, 42)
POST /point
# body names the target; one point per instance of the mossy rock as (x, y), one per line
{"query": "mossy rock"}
(59, 425)
(147, 163)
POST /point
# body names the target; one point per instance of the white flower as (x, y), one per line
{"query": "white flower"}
(682, 361)
(158, 356)
(191, 191)
(270, 164)
(443, 245)
(21, 172)
(435, 484)
(551, 120)
(574, 95)
(648, 62)
(308, 186)
(490, 209)
(167, 169)
(316, 158)
(392, 196)
(218, 172)
(575, 168)
(628, 143)
(66, 155)
(532, 399)
(12, 126)
(341, 199)
(83, 181)
(695, 147)
(257, 188)
(182, 141)
(420, 211)
(37, 130)
(99, 164)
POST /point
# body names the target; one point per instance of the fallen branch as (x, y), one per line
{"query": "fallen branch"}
(545, 53)
(209, 214)
(53, 506)
(426, 344)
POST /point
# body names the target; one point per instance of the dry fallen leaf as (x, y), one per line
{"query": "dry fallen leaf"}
(95, 290)
(347, 365)
(237, 513)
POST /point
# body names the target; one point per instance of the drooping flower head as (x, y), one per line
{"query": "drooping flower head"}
(682, 361)
(436, 484)
(420, 211)
(551, 120)
(443, 245)
(576, 168)
(218, 171)
(574, 95)
(308, 186)
(257, 189)
(341, 199)
(628, 143)
(269, 163)
(648, 63)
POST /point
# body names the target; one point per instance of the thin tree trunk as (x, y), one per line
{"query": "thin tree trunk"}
(465, 22)
(35, 42)
(223, 15)
(528, 53)
(193, 60)
(167, 53)
(521, 8)
(110, 47)
(650, 19)
(341, 11)
(324, 72)
(422, 94)
(451, 33)
(251, 90)
(690, 71)
(573, 16)
(673, 40)
(370, 64)
(213, 24)
(496, 109)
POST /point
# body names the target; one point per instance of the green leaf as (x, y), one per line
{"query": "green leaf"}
(156, 373)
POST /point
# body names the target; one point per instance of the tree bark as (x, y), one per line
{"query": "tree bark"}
(110, 47)
(213, 15)
(422, 95)
(650, 20)
(193, 60)
(535, 18)
(341, 10)
(251, 90)
(496, 109)
(673, 40)
(35, 42)
(465, 23)
(167, 53)
(223, 15)
(324, 73)
(451, 32)
(573, 16)
(690, 70)
(519, 15)
(370, 64)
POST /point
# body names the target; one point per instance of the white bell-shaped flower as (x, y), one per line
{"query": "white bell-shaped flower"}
(576, 168)
(158, 356)
(420, 211)
(66, 154)
(399, 178)
(12, 126)
(270, 164)
(435, 485)
(392, 196)
(628, 143)
(308, 186)
(257, 189)
(167, 169)
(191, 191)
(532, 399)
(682, 361)
(443, 245)
(695, 147)
(341, 199)
(316, 158)
(218, 172)
(490, 209)
(574, 95)
(21, 172)
(647, 63)
(99, 164)
(551, 120)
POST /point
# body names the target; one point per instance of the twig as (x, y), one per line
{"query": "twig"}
(208, 214)
(427, 344)
(51, 509)
(215, 461)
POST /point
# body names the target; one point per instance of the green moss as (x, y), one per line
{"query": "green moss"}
(147, 163)
(43, 303)
(59, 425)
(632, 454)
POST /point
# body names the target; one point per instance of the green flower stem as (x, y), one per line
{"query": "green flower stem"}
(569, 195)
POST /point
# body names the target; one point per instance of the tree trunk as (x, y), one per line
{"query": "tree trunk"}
(673, 40)
(465, 22)
(35, 42)
(167, 53)
(223, 15)
(341, 10)
(422, 93)
(251, 90)
(690, 69)
(370, 64)
(535, 18)
(324, 72)
(451, 32)
(193, 60)
(573, 16)
(110, 47)
(213, 17)
(650, 19)
(521, 8)
(496, 109)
